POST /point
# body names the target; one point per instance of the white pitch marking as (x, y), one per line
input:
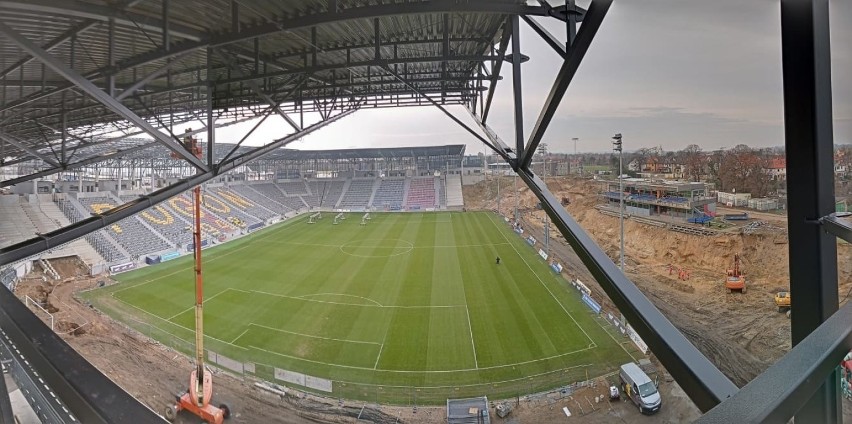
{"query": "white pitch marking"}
(312, 336)
(540, 281)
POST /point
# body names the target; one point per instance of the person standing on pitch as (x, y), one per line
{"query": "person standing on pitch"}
(498, 260)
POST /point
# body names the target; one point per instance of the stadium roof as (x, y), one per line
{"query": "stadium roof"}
(106, 65)
(387, 152)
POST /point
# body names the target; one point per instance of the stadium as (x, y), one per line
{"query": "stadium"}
(381, 258)
(142, 241)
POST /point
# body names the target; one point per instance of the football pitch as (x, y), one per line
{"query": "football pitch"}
(410, 300)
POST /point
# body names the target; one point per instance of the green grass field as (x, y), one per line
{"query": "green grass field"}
(409, 300)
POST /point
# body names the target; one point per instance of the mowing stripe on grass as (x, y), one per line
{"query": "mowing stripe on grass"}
(301, 304)
(542, 282)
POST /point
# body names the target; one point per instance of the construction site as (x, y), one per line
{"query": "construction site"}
(683, 271)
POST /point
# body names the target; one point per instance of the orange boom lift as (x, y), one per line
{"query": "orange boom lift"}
(197, 399)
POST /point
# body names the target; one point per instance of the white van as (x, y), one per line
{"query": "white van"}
(639, 388)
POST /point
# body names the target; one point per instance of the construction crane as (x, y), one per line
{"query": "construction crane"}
(197, 398)
(735, 280)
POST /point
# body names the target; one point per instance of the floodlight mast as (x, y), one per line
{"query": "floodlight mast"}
(616, 143)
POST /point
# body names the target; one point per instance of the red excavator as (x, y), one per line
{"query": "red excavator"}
(735, 280)
(197, 398)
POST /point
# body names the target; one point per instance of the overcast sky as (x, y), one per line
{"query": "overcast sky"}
(662, 72)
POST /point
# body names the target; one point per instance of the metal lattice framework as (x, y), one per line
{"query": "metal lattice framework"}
(80, 78)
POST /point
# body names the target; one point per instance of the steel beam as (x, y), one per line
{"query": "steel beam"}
(549, 38)
(78, 164)
(98, 94)
(806, 67)
(74, 231)
(59, 40)
(502, 148)
(495, 70)
(283, 25)
(102, 13)
(148, 78)
(253, 85)
(443, 109)
(23, 146)
(96, 159)
(695, 374)
(591, 23)
(517, 90)
(64, 37)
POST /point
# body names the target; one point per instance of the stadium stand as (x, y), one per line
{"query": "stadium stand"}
(390, 194)
(333, 191)
(315, 197)
(273, 204)
(454, 192)
(294, 202)
(271, 192)
(53, 219)
(358, 194)
(166, 222)
(211, 224)
(223, 209)
(243, 203)
(421, 193)
(137, 238)
(294, 187)
(110, 251)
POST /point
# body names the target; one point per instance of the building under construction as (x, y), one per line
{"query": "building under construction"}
(673, 199)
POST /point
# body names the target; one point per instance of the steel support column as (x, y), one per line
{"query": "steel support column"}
(517, 90)
(806, 61)
(591, 23)
(97, 94)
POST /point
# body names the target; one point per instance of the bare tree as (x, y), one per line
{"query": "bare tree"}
(692, 159)
(743, 169)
